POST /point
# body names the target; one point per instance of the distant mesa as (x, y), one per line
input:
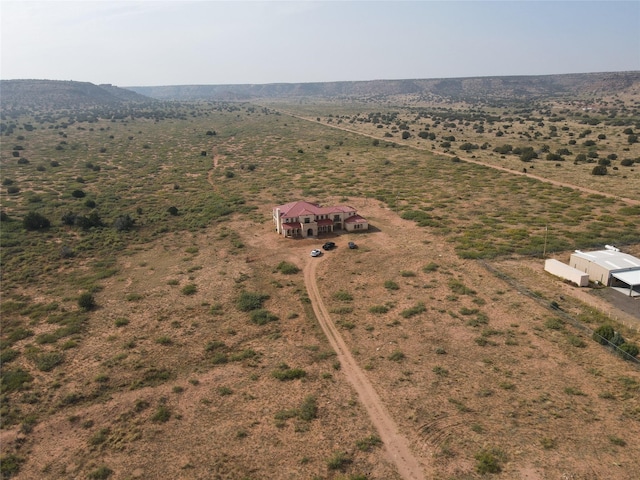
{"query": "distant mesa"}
(57, 94)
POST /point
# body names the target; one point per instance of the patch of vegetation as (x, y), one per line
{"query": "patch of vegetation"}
(287, 268)
(368, 443)
(391, 285)
(343, 296)
(284, 373)
(262, 316)
(251, 301)
(489, 461)
(413, 311)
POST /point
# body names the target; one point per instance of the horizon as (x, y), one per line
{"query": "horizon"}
(274, 42)
(294, 83)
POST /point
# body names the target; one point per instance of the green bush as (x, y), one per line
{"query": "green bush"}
(284, 374)
(35, 221)
(262, 316)
(391, 285)
(287, 268)
(338, 461)
(189, 289)
(251, 301)
(86, 301)
(629, 349)
(162, 414)
(13, 380)
(10, 465)
(488, 461)
(100, 473)
(379, 309)
(48, 361)
(367, 444)
(413, 311)
(603, 334)
(309, 409)
(343, 295)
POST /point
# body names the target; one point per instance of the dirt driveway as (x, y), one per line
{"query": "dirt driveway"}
(396, 445)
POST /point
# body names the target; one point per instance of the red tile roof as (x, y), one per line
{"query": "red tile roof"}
(356, 219)
(295, 209)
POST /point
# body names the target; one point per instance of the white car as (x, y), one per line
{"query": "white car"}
(316, 253)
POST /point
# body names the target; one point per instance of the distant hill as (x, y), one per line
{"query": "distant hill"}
(55, 94)
(472, 89)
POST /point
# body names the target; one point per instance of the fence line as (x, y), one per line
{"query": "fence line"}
(613, 348)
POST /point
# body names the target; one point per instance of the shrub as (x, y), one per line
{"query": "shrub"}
(189, 289)
(339, 461)
(603, 334)
(391, 285)
(48, 361)
(367, 444)
(123, 223)
(10, 465)
(286, 373)
(13, 380)
(13, 189)
(262, 316)
(287, 268)
(431, 267)
(488, 461)
(86, 301)
(343, 296)
(379, 309)
(78, 194)
(599, 170)
(630, 349)
(172, 211)
(413, 311)
(251, 301)
(162, 414)
(35, 221)
(309, 409)
(100, 473)
(397, 356)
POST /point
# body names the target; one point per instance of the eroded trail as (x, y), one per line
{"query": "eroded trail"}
(395, 443)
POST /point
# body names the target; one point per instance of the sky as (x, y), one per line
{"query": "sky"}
(150, 43)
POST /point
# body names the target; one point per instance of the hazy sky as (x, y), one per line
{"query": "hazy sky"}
(238, 42)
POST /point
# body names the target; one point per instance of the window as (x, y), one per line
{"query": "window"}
(306, 220)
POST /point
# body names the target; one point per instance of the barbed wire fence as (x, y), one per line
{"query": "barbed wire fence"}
(606, 343)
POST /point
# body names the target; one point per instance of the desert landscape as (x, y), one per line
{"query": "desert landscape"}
(154, 325)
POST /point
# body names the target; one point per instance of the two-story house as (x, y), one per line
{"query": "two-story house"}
(304, 219)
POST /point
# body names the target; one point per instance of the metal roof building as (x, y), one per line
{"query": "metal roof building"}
(610, 267)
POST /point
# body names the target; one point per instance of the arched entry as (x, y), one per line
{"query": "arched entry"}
(310, 232)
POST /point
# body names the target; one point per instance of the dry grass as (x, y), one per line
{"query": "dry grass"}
(167, 377)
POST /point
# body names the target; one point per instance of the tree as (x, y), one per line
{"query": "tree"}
(123, 223)
(78, 194)
(599, 170)
(172, 211)
(35, 221)
(405, 135)
(632, 139)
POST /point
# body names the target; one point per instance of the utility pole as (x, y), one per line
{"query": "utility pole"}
(544, 251)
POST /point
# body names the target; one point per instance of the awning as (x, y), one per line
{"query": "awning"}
(630, 277)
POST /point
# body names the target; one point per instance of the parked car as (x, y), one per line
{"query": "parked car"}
(329, 245)
(352, 245)
(315, 252)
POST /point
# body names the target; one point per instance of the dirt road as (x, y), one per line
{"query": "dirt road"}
(395, 443)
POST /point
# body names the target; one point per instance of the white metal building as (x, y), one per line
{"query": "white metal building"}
(610, 267)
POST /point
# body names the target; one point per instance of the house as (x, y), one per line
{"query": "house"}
(304, 219)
